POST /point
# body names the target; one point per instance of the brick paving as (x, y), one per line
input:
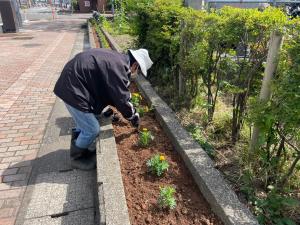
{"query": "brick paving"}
(29, 67)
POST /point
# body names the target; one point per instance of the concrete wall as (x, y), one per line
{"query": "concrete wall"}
(101, 5)
(240, 5)
(196, 4)
(86, 6)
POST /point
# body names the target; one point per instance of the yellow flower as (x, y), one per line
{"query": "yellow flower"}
(162, 158)
(146, 109)
(135, 94)
(145, 129)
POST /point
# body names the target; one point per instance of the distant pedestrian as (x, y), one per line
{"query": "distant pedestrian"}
(91, 81)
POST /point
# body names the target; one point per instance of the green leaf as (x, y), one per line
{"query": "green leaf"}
(291, 202)
(284, 221)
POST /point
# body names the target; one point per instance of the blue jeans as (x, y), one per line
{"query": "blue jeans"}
(87, 124)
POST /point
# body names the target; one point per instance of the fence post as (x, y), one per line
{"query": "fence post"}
(265, 92)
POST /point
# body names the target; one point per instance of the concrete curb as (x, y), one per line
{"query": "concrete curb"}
(91, 36)
(112, 201)
(111, 41)
(218, 193)
(112, 206)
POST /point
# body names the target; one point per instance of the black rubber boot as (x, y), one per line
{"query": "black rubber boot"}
(84, 163)
(82, 158)
(74, 134)
(76, 152)
(92, 148)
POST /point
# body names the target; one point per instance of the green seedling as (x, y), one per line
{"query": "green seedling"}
(145, 137)
(166, 199)
(135, 99)
(157, 165)
(142, 110)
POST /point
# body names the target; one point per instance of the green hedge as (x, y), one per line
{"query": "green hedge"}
(222, 54)
(201, 58)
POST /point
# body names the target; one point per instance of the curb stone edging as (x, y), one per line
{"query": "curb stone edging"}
(222, 199)
(112, 205)
(111, 41)
(112, 201)
(91, 36)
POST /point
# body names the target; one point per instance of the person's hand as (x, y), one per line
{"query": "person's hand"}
(115, 118)
(135, 121)
(108, 112)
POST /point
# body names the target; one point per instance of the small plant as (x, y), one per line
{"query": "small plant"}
(145, 137)
(142, 110)
(166, 198)
(198, 136)
(157, 164)
(135, 99)
(270, 210)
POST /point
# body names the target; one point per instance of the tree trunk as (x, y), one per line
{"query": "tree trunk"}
(290, 172)
(180, 84)
(265, 93)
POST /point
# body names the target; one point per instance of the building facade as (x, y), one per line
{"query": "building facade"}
(86, 6)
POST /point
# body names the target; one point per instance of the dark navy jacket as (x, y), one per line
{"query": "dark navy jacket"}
(95, 79)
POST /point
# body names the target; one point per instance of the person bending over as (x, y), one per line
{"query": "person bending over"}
(91, 81)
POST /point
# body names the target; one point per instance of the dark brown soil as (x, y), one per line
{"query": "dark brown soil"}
(142, 188)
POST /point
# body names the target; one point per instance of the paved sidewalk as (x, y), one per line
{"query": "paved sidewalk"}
(29, 67)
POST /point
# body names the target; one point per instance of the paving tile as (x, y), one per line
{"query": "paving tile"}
(6, 212)
(61, 192)
(15, 177)
(26, 101)
(82, 217)
(6, 194)
(7, 221)
(8, 171)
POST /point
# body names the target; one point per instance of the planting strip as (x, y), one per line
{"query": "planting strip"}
(222, 199)
(91, 36)
(111, 41)
(112, 206)
(112, 201)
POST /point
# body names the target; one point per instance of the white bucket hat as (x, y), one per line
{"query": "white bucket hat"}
(142, 57)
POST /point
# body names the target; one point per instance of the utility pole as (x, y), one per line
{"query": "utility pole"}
(265, 92)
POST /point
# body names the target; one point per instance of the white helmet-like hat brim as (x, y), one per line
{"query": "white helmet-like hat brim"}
(143, 59)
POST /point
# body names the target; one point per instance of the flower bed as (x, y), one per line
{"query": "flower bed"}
(219, 195)
(144, 188)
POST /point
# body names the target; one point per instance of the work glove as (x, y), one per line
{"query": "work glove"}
(108, 112)
(135, 121)
(115, 118)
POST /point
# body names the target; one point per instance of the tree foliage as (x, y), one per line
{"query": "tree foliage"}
(222, 54)
(211, 52)
(279, 119)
